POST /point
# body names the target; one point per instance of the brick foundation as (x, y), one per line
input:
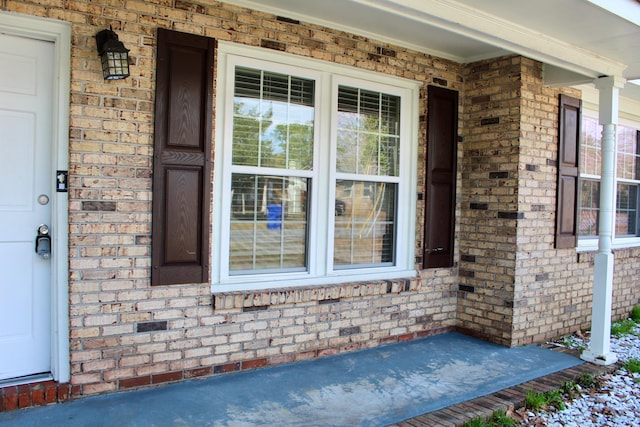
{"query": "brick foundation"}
(35, 394)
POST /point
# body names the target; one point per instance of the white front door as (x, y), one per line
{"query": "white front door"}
(26, 97)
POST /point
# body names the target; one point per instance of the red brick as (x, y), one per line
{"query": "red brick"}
(198, 372)
(305, 355)
(76, 390)
(135, 382)
(24, 396)
(432, 332)
(388, 340)
(255, 363)
(349, 347)
(328, 351)
(37, 395)
(280, 359)
(10, 398)
(406, 337)
(228, 367)
(63, 392)
(163, 378)
(50, 392)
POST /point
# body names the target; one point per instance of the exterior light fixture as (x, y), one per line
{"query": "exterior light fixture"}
(113, 54)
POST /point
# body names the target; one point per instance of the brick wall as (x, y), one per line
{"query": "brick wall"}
(553, 288)
(125, 333)
(550, 299)
(515, 288)
(511, 285)
(489, 198)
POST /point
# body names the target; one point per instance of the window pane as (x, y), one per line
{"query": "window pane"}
(273, 120)
(627, 210)
(591, 147)
(369, 109)
(347, 151)
(247, 146)
(368, 132)
(589, 202)
(389, 150)
(292, 145)
(628, 156)
(268, 224)
(365, 224)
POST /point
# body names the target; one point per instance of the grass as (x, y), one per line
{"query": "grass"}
(555, 398)
(573, 342)
(537, 401)
(635, 313)
(476, 422)
(622, 327)
(632, 365)
(587, 381)
(498, 419)
(534, 401)
(570, 389)
(501, 419)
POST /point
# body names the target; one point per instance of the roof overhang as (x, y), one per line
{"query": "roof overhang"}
(577, 40)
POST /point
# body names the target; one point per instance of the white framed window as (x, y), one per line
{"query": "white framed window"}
(627, 174)
(315, 172)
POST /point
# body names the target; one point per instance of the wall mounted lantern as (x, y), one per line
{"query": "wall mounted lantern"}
(113, 54)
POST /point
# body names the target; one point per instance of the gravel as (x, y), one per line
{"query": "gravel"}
(616, 402)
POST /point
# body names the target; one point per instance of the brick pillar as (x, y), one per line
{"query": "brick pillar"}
(515, 288)
(489, 198)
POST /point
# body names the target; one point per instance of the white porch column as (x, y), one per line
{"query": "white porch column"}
(599, 352)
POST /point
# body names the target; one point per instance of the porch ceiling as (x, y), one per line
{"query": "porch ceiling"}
(577, 40)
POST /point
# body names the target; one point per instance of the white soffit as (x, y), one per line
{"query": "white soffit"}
(626, 9)
(463, 31)
(510, 34)
(377, 22)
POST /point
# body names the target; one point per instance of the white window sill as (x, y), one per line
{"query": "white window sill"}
(245, 284)
(591, 245)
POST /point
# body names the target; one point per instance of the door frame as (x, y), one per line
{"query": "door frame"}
(59, 33)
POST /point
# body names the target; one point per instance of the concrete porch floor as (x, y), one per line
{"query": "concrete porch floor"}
(440, 380)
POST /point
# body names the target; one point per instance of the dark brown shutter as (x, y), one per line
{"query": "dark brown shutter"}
(440, 187)
(568, 157)
(182, 153)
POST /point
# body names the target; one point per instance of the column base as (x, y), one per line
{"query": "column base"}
(599, 359)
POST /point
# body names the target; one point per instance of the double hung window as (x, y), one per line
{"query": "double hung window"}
(314, 172)
(627, 174)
